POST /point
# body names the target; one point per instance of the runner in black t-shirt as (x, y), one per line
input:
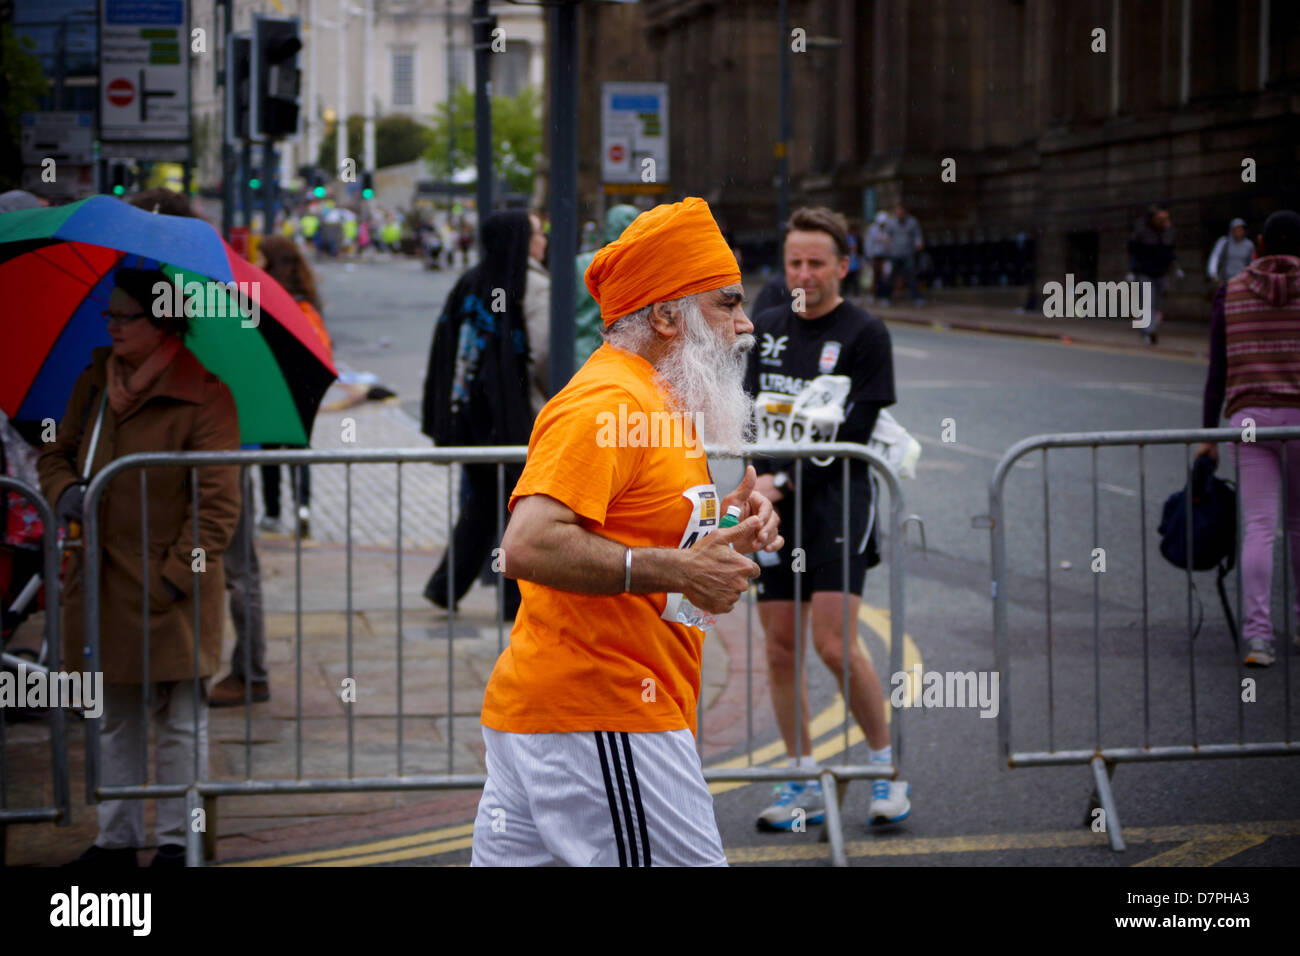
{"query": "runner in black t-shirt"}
(822, 371)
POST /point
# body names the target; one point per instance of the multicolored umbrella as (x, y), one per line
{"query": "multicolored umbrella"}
(56, 269)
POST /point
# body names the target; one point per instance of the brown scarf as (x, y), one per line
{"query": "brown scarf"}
(125, 388)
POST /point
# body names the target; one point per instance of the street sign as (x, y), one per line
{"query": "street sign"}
(146, 152)
(144, 70)
(121, 92)
(66, 137)
(634, 128)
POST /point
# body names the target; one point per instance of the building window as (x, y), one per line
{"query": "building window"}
(403, 78)
(462, 67)
(510, 69)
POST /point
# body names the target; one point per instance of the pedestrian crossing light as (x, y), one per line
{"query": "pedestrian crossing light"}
(367, 186)
(275, 77)
(120, 177)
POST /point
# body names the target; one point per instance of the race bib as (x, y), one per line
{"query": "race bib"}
(704, 518)
(814, 415)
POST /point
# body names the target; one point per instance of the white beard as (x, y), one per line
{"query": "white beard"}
(707, 380)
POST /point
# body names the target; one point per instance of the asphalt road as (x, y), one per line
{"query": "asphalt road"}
(968, 808)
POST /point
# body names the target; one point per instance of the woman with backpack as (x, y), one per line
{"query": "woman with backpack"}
(1255, 363)
(486, 382)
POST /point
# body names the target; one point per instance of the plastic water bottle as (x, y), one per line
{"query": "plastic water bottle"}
(688, 613)
(731, 518)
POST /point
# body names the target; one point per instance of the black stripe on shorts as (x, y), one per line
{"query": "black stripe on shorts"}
(613, 803)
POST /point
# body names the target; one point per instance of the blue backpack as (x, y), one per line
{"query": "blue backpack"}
(1214, 528)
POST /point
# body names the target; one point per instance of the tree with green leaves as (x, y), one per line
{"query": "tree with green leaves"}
(398, 139)
(516, 137)
(22, 84)
(356, 144)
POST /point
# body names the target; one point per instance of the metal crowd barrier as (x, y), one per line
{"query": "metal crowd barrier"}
(59, 810)
(202, 793)
(1101, 757)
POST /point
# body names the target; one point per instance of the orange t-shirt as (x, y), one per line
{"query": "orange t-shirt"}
(583, 662)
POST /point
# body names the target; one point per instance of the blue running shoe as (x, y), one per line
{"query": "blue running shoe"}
(889, 802)
(792, 797)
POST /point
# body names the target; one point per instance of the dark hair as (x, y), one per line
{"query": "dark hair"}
(168, 202)
(298, 279)
(139, 284)
(506, 234)
(821, 219)
(1282, 234)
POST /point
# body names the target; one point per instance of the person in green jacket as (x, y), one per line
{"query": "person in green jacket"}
(588, 326)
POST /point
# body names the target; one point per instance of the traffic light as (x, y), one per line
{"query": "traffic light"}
(238, 86)
(318, 184)
(367, 185)
(119, 177)
(275, 75)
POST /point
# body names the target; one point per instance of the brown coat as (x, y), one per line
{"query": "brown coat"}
(186, 409)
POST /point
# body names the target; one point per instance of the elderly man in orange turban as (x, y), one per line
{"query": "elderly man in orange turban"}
(614, 537)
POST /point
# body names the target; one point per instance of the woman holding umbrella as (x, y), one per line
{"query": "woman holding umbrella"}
(147, 393)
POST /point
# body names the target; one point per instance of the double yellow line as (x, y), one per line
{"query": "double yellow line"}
(416, 846)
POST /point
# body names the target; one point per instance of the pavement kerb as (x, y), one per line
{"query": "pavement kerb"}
(938, 319)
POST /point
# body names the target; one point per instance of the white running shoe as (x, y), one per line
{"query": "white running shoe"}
(792, 797)
(1259, 653)
(889, 802)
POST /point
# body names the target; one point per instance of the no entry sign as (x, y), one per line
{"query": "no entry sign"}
(121, 92)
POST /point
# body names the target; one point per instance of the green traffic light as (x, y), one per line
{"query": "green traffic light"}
(254, 183)
(320, 192)
(367, 194)
(119, 190)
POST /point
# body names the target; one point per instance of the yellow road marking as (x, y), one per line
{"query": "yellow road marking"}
(413, 853)
(1204, 852)
(1218, 834)
(293, 859)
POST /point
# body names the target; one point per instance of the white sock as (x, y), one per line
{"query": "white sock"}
(884, 755)
(803, 763)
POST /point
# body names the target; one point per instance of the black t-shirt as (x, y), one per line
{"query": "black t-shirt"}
(792, 351)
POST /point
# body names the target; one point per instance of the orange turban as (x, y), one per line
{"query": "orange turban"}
(666, 253)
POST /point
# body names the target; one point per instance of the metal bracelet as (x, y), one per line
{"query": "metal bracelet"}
(627, 573)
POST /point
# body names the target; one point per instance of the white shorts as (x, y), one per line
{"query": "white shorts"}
(595, 799)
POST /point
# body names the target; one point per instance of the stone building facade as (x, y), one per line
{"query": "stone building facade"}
(1055, 136)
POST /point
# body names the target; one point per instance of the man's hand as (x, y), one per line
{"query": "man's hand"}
(755, 503)
(719, 575)
(1209, 448)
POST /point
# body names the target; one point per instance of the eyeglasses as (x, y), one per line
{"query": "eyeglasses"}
(122, 318)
